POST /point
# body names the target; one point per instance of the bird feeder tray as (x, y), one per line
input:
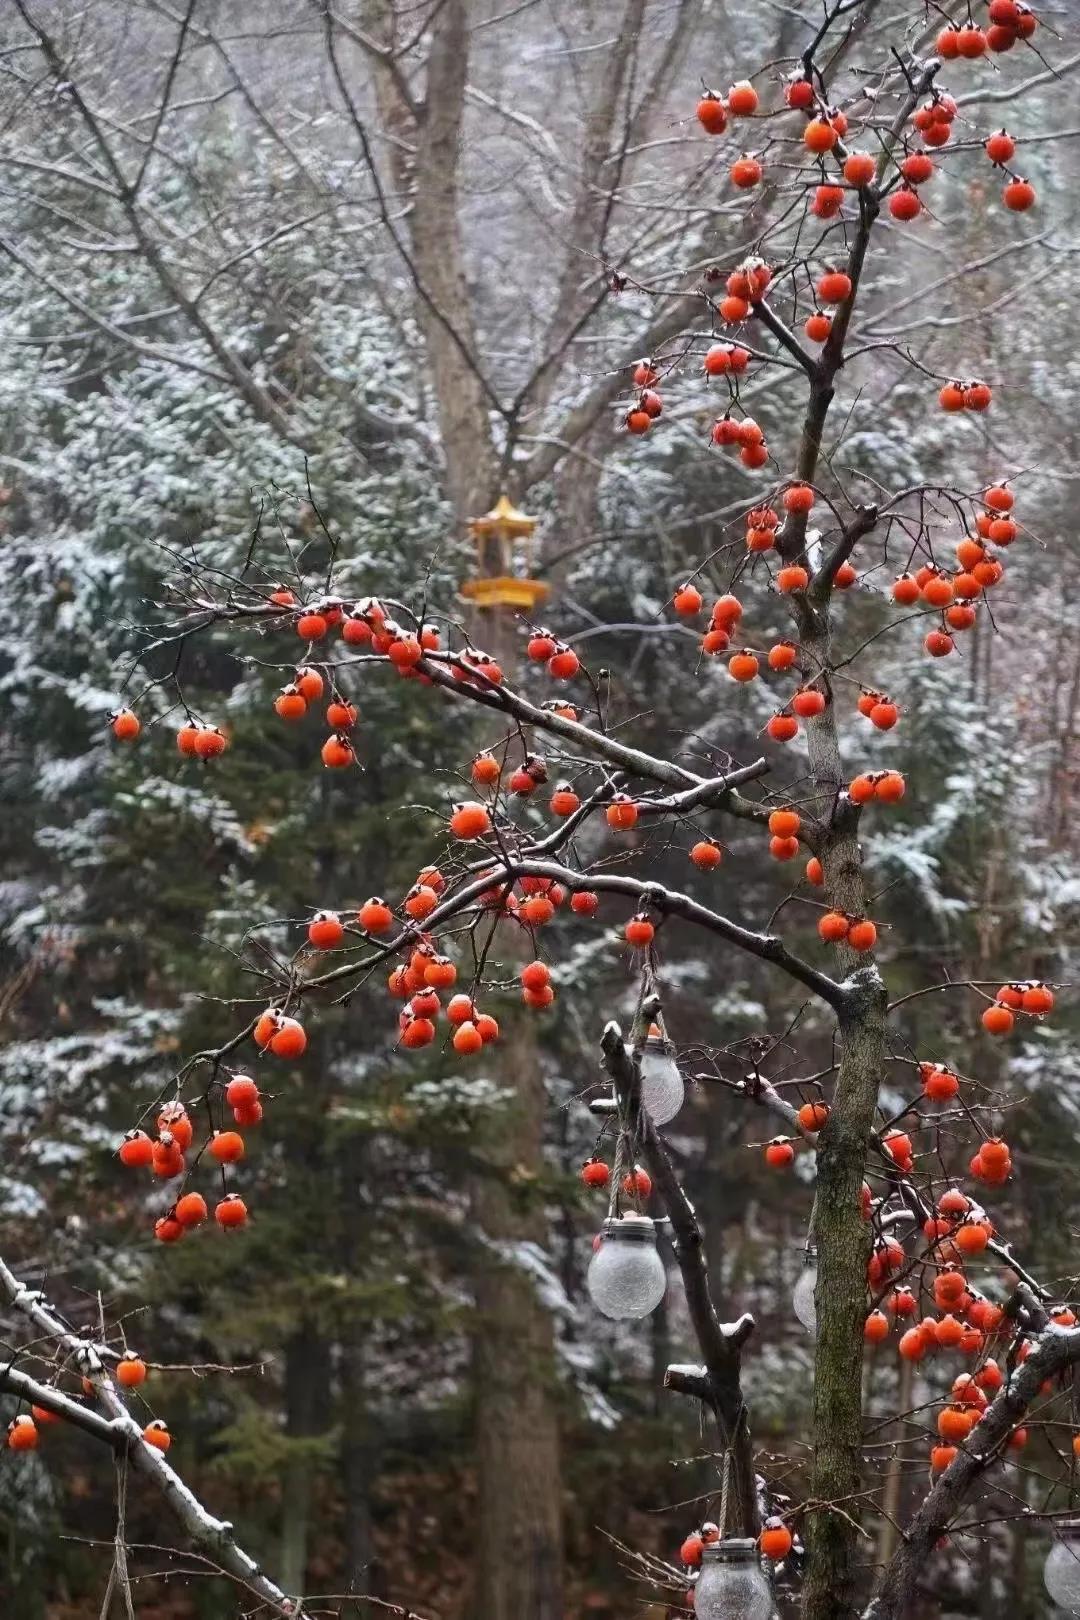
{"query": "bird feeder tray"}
(504, 590)
(503, 572)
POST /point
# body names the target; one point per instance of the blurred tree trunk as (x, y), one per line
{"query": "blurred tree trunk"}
(359, 1192)
(461, 397)
(569, 1268)
(358, 1467)
(307, 1383)
(423, 163)
(892, 1493)
(1060, 778)
(721, 1193)
(519, 1541)
(988, 1597)
(1018, 1605)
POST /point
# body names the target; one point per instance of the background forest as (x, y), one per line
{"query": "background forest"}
(365, 277)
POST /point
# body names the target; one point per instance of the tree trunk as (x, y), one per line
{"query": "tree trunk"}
(519, 1538)
(520, 1542)
(423, 162)
(519, 1533)
(359, 1193)
(461, 398)
(307, 1380)
(1017, 1605)
(840, 1231)
(843, 1240)
(892, 1494)
(988, 1596)
(358, 1469)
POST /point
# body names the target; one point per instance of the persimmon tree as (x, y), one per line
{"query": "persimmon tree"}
(560, 812)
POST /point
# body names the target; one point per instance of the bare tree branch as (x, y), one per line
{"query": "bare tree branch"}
(720, 1387)
(211, 1535)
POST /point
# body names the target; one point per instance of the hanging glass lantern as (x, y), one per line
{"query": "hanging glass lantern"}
(802, 1300)
(1061, 1572)
(662, 1089)
(626, 1277)
(732, 1584)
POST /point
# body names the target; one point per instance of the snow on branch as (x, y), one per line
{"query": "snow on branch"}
(122, 1432)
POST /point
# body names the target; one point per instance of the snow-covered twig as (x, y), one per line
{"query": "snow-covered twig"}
(121, 1430)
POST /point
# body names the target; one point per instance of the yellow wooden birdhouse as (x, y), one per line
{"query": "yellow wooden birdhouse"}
(503, 568)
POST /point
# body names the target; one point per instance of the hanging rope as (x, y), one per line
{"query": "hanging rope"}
(639, 1029)
(811, 1221)
(724, 1485)
(624, 1162)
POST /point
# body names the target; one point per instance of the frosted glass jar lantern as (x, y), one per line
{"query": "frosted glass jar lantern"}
(662, 1089)
(802, 1299)
(626, 1277)
(732, 1585)
(1061, 1572)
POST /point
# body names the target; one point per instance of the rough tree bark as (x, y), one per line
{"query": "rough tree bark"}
(840, 1230)
(461, 400)
(843, 1241)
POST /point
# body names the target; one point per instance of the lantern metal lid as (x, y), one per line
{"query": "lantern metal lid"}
(734, 1550)
(629, 1228)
